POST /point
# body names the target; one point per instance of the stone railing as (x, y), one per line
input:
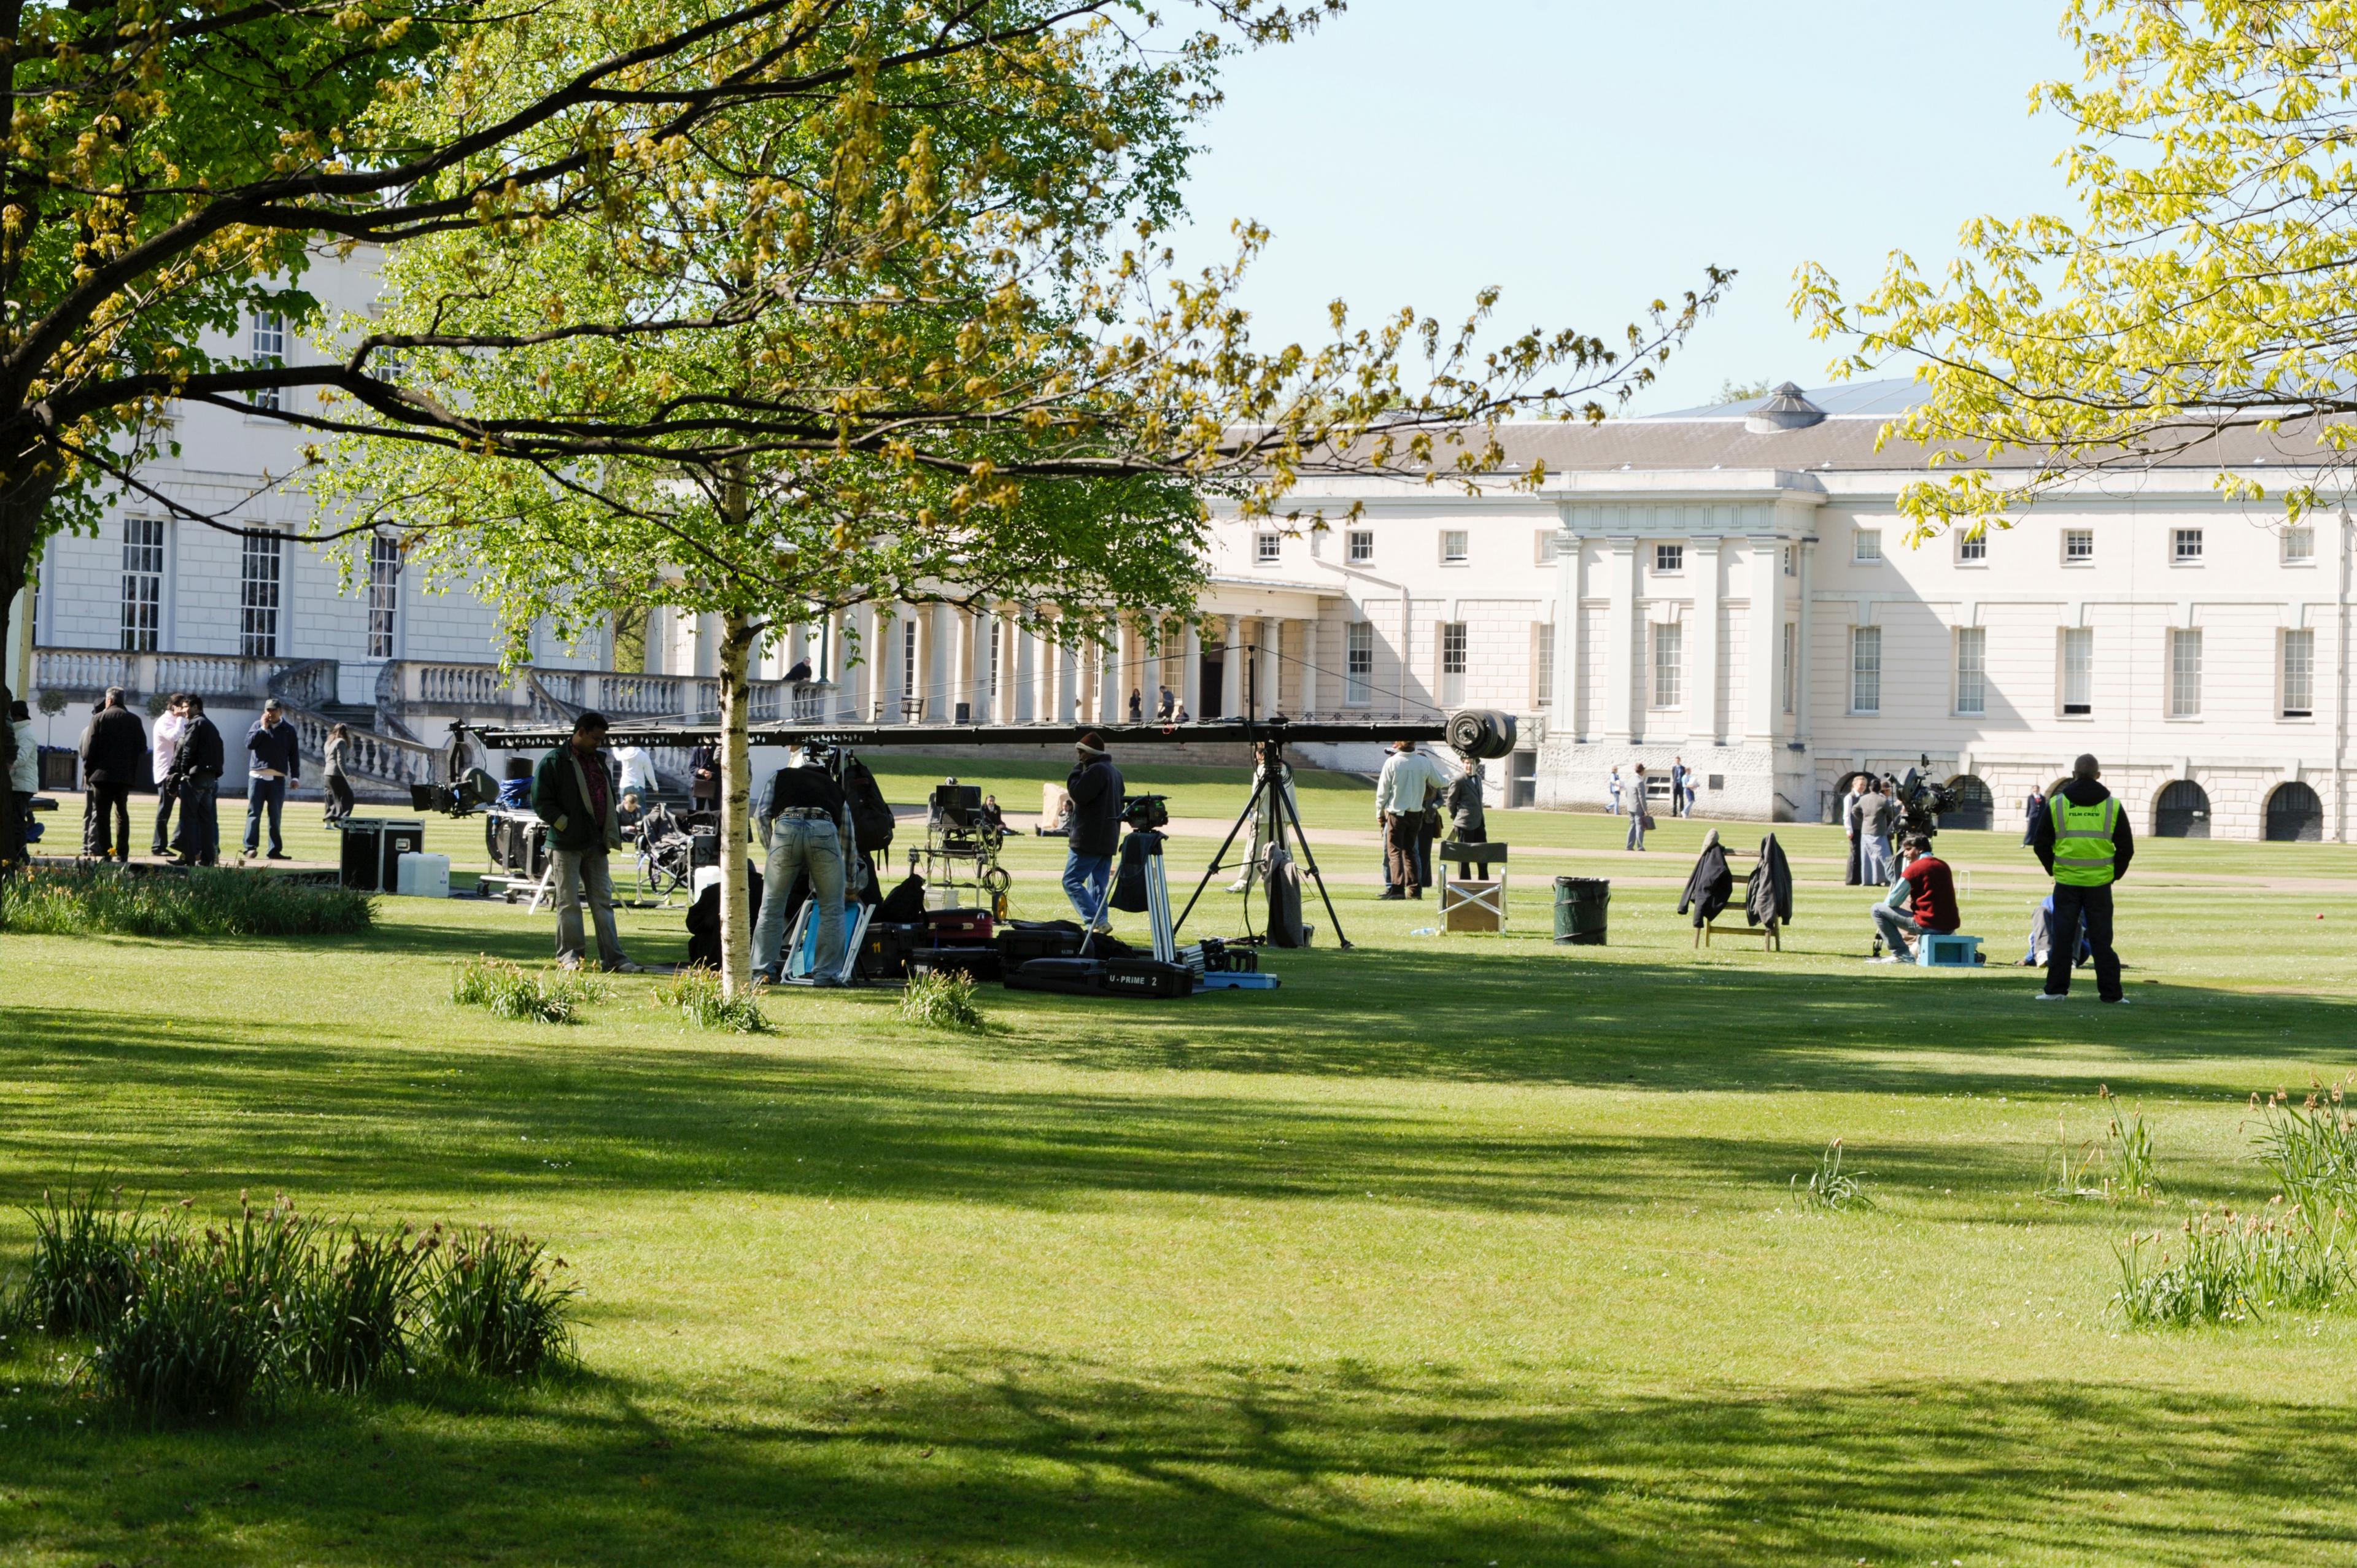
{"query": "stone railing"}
(307, 683)
(380, 758)
(79, 671)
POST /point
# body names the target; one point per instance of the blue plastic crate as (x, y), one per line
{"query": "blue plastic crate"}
(1954, 950)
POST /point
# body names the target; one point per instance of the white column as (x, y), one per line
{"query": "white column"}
(1190, 668)
(1133, 666)
(1620, 639)
(1802, 552)
(859, 679)
(1570, 678)
(1307, 678)
(1232, 667)
(1026, 676)
(1764, 631)
(1068, 675)
(1271, 630)
(1703, 724)
(939, 665)
(1110, 695)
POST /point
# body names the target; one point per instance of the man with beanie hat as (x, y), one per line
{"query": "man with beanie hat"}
(2083, 838)
(1095, 786)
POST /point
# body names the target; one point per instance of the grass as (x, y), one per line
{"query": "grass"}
(695, 994)
(941, 1000)
(1471, 1248)
(510, 990)
(103, 901)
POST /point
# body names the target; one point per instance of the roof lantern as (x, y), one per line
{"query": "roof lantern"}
(1784, 409)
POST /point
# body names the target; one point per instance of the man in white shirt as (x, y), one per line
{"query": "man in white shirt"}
(638, 771)
(163, 745)
(1409, 782)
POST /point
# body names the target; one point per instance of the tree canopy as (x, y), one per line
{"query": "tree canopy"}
(2206, 283)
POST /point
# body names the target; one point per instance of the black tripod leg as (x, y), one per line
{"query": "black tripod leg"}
(1213, 869)
(1310, 860)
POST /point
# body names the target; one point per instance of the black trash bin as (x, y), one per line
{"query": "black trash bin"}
(1580, 904)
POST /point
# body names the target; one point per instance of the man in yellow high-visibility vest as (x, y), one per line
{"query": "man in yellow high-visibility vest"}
(2084, 840)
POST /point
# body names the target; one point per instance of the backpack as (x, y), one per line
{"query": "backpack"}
(871, 815)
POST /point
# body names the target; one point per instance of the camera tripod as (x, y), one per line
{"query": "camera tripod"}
(1269, 810)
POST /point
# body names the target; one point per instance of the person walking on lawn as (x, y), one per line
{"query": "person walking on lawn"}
(2083, 839)
(274, 761)
(574, 793)
(195, 782)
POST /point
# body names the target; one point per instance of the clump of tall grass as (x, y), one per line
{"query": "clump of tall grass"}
(492, 1304)
(1831, 1187)
(210, 1323)
(2124, 1163)
(696, 992)
(512, 990)
(2299, 1251)
(941, 999)
(205, 902)
(85, 1265)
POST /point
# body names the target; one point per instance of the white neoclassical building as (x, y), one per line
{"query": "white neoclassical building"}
(1732, 587)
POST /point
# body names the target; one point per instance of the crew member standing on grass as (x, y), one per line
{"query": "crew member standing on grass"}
(805, 823)
(274, 761)
(165, 747)
(111, 749)
(2084, 840)
(1409, 782)
(1095, 786)
(575, 794)
(196, 783)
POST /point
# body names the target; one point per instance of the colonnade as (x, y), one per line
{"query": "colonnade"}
(945, 663)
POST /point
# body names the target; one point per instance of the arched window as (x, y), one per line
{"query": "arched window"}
(1975, 807)
(2295, 815)
(2181, 813)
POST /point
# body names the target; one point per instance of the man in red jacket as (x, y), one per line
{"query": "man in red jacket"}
(1922, 899)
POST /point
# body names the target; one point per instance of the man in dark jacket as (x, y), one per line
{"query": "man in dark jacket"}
(274, 760)
(703, 776)
(196, 783)
(573, 792)
(1096, 791)
(112, 748)
(2083, 839)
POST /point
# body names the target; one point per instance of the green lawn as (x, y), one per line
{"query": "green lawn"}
(1455, 1249)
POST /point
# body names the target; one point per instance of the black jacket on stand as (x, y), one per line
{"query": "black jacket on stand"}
(1711, 887)
(1771, 897)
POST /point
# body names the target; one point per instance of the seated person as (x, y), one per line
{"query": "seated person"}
(1922, 899)
(631, 811)
(992, 817)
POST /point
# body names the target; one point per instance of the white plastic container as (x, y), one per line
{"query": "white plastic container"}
(423, 875)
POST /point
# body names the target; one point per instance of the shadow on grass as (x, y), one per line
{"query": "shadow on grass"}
(997, 1458)
(169, 1108)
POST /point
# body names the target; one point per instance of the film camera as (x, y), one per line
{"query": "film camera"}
(467, 793)
(1142, 811)
(1922, 799)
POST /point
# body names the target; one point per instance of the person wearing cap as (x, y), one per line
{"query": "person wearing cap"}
(274, 761)
(1409, 782)
(573, 791)
(112, 748)
(2083, 839)
(1095, 786)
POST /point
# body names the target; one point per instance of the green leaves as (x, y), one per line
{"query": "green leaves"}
(2204, 285)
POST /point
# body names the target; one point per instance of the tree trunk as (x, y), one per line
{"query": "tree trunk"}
(736, 773)
(735, 803)
(24, 509)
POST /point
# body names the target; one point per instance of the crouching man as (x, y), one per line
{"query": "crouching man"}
(1922, 899)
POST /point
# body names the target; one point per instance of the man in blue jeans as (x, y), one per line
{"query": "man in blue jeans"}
(806, 824)
(1095, 786)
(272, 764)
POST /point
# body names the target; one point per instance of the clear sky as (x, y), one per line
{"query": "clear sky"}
(1588, 158)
